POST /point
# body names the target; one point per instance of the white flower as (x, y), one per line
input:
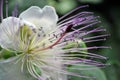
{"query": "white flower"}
(40, 42)
(29, 32)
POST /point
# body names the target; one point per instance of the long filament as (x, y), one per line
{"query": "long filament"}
(1, 10)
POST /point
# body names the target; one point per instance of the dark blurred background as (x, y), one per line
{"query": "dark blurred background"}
(108, 10)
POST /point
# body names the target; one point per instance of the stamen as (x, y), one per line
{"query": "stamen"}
(84, 54)
(40, 29)
(92, 31)
(87, 21)
(6, 8)
(38, 35)
(95, 40)
(41, 78)
(75, 16)
(15, 11)
(67, 30)
(34, 30)
(1, 10)
(79, 30)
(88, 48)
(94, 37)
(81, 21)
(73, 11)
(63, 71)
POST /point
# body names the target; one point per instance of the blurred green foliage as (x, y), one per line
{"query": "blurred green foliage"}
(62, 6)
(91, 1)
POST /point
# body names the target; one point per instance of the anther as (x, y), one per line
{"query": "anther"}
(40, 28)
(43, 44)
(44, 35)
(38, 35)
(34, 30)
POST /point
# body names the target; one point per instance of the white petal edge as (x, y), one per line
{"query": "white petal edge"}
(45, 17)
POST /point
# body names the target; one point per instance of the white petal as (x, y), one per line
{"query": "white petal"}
(10, 70)
(8, 29)
(46, 17)
(10, 33)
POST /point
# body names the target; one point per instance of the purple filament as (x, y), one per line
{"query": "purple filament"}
(95, 40)
(6, 8)
(73, 11)
(15, 11)
(94, 37)
(1, 9)
(76, 16)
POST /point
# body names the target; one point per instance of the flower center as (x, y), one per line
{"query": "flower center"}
(58, 40)
(28, 36)
(25, 34)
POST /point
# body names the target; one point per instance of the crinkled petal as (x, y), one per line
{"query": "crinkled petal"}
(10, 35)
(8, 30)
(45, 18)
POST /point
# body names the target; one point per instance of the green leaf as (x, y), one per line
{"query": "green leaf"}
(5, 54)
(10, 70)
(76, 44)
(95, 72)
(112, 72)
(65, 5)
